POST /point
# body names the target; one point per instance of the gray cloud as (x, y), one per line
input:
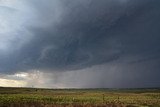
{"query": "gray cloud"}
(62, 35)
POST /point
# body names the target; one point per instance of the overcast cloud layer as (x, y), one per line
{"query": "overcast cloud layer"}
(81, 43)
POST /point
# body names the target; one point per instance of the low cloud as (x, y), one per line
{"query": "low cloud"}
(81, 37)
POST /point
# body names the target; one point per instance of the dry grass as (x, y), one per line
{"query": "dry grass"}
(29, 97)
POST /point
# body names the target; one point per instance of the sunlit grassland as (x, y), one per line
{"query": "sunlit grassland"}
(30, 97)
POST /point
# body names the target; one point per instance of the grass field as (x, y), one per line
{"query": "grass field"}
(31, 97)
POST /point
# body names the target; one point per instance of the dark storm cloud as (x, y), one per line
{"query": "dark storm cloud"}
(78, 34)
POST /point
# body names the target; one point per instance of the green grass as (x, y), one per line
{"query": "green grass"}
(30, 97)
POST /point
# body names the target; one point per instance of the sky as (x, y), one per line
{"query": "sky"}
(80, 43)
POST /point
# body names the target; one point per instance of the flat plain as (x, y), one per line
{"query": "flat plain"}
(37, 97)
